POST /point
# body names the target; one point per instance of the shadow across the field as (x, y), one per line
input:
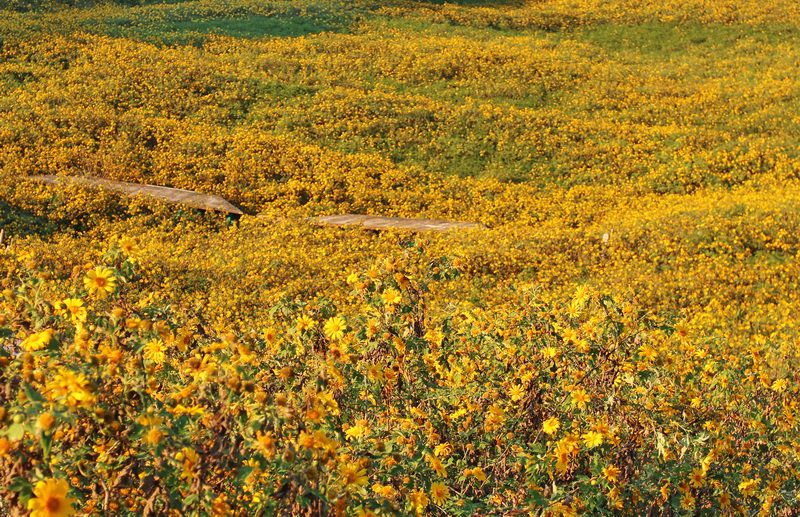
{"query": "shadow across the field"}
(195, 31)
(15, 221)
(478, 3)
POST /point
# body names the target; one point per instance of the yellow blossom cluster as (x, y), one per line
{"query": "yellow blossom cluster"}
(155, 359)
(581, 405)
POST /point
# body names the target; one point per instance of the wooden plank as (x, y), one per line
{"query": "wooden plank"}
(394, 223)
(171, 195)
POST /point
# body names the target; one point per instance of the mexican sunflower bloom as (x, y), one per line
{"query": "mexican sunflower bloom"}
(45, 421)
(100, 281)
(580, 398)
(190, 460)
(5, 446)
(127, 245)
(551, 425)
(516, 392)
(419, 501)
(265, 443)
(305, 322)
(73, 307)
(70, 388)
(439, 493)
(592, 439)
(391, 296)
(51, 499)
(154, 351)
(37, 341)
(353, 475)
(611, 473)
(748, 487)
(334, 328)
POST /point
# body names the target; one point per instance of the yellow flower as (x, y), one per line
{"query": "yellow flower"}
(334, 328)
(45, 421)
(190, 459)
(665, 491)
(592, 439)
(748, 487)
(582, 346)
(580, 397)
(385, 491)
(697, 478)
(154, 435)
(550, 352)
(434, 336)
(443, 450)
(305, 440)
(561, 510)
(516, 392)
(419, 500)
(37, 341)
(437, 465)
(353, 475)
(648, 352)
(779, 386)
(73, 307)
(270, 335)
(551, 425)
(562, 461)
(50, 499)
(100, 281)
(391, 296)
(476, 472)
(154, 351)
(70, 388)
(127, 245)
(705, 464)
(180, 409)
(305, 322)
(569, 443)
(439, 493)
(373, 326)
(357, 431)
(611, 473)
(117, 313)
(265, 443)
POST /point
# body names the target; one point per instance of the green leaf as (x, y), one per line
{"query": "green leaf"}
(15, 432)
(46, 441)
(32, 394)
(20, 485)
(243, 473)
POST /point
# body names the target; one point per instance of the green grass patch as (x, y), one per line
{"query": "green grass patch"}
(666, 40)
(185, 21)
(196, 30)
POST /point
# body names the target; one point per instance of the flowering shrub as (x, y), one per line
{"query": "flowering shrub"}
(582, 406)
(158, 360)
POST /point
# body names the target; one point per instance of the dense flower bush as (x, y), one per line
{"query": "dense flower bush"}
(582, 406)
(157, 360)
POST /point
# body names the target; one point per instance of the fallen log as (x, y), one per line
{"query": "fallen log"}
(190, 198)
(371, 222)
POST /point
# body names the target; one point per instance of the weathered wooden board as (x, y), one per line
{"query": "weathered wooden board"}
(170, 195)
(219, 204)
(394, 223)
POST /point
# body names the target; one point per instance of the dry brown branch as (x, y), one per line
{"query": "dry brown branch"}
(171, 195)
(394, 223)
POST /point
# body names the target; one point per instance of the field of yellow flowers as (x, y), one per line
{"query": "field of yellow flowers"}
(620, 338)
